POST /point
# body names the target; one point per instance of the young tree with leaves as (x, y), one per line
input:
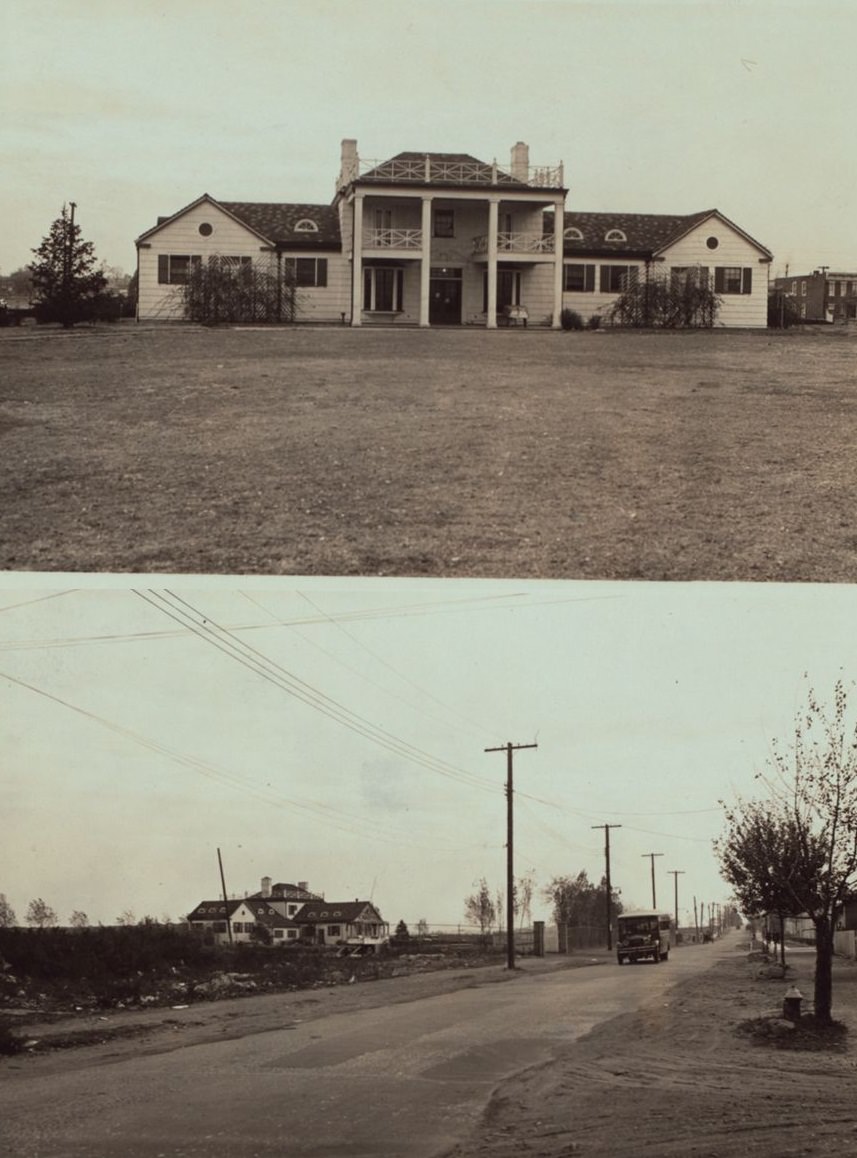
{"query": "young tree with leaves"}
(815, 790)
(760, 858)
(66, 281)
(78, 920)
(40, 915)
(7, 914)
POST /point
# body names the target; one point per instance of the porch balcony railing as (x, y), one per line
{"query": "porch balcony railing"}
(430, 170)
(392, 239)
(517, 243)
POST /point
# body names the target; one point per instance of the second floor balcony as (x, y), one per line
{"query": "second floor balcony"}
(517, 243)
(387, 239)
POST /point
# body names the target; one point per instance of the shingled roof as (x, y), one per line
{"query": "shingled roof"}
(274, 222)
(334, 911)
(645, 233)
(277, 220)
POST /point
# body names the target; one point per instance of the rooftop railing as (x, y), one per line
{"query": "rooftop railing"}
(430, 170)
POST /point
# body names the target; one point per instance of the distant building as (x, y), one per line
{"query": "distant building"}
(288, 913)
(821, 296)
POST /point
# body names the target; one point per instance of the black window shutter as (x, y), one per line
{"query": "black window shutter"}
(589, 279)
(163, 269)
(321, 272)
(605, 279)
(719, 279)
(747, 280)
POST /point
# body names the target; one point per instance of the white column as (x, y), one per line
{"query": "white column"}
(493, 213)
(559, 230)
(357, 262)
(425, 262)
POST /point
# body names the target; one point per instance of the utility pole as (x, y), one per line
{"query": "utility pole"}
(651, 856)
(510, 859)
(225, 898)
(696, 920)
(676, 873)
(607, 828)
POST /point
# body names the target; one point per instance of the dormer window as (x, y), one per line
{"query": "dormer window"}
(306, 225)
(615, 235)
(572, 234)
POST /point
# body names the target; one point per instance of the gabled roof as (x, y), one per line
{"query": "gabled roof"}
(263, 912)
(646, 234)
(277, 220)
(313, 913)
(273, 223)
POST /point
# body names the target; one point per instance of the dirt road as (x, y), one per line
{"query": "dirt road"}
(369, 1076)
(676, 1077)
(550, 1061)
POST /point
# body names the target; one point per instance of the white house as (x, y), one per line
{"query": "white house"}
(604, 252)
(445, 239)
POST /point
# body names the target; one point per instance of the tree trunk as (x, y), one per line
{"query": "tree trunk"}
(823, 969)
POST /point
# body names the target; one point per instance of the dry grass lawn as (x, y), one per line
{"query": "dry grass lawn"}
(444, 452)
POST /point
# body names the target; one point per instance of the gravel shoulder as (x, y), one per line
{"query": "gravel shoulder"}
(679, 1077)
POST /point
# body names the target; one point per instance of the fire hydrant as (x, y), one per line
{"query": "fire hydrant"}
(791, 1004)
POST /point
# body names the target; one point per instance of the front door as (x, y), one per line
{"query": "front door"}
(445, 297)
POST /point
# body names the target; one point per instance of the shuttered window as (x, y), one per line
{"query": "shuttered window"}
(579, 278)
(733, 279)
(307, 271)
(174, 269)
(615, 279)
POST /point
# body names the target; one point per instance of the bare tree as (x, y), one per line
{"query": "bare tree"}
(524, 888)
(126, 918)
(479, 908)
(78, 919)
(40, 915)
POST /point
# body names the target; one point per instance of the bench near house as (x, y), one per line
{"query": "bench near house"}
(445, 239)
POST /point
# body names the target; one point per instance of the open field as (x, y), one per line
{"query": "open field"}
(674, 456)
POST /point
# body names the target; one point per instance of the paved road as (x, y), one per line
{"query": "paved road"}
(400, 1081)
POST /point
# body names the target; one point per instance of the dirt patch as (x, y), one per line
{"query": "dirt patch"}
(683, 1076)
(458, 453)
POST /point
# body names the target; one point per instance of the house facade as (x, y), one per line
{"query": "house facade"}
(604, 253)
(288, 913)
(821, 296)
(445, 239)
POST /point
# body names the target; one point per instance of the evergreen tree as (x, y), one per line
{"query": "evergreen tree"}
(66, 282)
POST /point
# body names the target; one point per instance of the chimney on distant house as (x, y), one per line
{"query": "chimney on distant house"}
(349, 163)
(303, 886)
(266, 886)
(520, 167)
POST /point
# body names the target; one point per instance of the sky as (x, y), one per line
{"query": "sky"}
(334, 731)
(135, 109)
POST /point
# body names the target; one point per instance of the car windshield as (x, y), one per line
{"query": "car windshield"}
(639, 925)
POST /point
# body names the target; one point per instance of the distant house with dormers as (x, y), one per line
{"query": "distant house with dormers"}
(288, 913)
(447, 239)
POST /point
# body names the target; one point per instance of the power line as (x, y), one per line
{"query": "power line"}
(344, 821)
(274, 673)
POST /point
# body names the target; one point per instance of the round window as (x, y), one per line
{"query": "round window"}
(712, 242)
(206, 230)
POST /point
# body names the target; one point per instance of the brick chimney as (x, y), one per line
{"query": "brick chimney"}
(303, 886)
(349, 162)
(520, 167)
(266, 886)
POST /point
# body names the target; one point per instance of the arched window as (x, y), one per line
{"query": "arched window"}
(572, 234)
(615, 235)
(306, 225)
